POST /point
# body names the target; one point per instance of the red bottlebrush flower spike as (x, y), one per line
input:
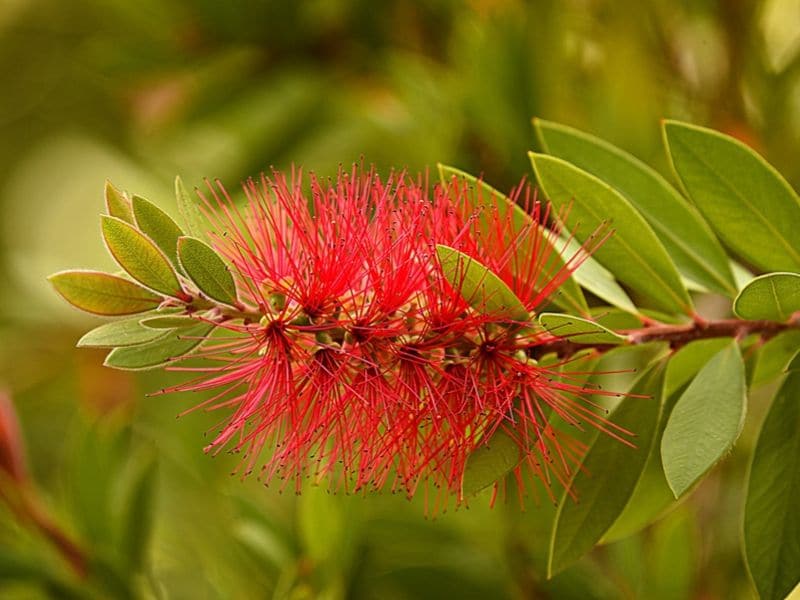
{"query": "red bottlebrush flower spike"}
(365, 365)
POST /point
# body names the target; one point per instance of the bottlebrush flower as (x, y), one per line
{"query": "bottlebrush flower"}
(363, 361)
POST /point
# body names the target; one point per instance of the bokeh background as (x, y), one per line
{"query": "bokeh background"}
(138, 92)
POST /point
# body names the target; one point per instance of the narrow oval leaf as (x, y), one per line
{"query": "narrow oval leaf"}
(773, 297)
(169, 322)
(103, 293)
(207, 270)
(189, 209)
(747, 202)
(771, 517)
(652, 496)
(490, 463)
(158, 226)
(632, 253)
(140, 257)
(482, 289)
(119, 333)
(607, 476)
(706, 420)
(117, 204)
(685, 235)
(569, 296)
(159, 353)
(580, 331)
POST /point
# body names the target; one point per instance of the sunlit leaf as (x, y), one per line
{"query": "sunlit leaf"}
(119, 333)
(569, 296)
(580, 331)
(685, 235)
(706, 420)
(607, 476)
(633, 253)
(481, 288)
(158, 226)
(117, 204)
(771, 517)
(773, 297)
(159, 353)
(207, 270)
(140, 257)
(103, 293)
(749, 204)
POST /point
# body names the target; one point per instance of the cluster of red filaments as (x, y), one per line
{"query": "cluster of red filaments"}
(362, 364)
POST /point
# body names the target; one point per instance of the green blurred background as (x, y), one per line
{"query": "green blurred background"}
(138, 92)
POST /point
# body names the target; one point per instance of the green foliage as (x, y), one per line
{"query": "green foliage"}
(207, 270)
(747, 202)
(706, 420)
(102, 293)
(189, 208)
(160, 352)
(140, 257)
(128, 332)
(490, 463)
(158, 226)
(633, 252)
(773, 297)
(686, 237)
(480, 287)
(771, 518)
(578, 330)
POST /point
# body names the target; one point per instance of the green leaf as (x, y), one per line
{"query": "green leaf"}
(706, 420)
(102, 293)
(159, 353)
(685, 235)
(119, 333)
(207, 270)
(592, 276)
(158, 226)
(774, 356)
(771, 518)
(168, 322)
(189, 209)
(569, 296)
(607, 476)
(490, 462)
(117, 204)
(633, 253)
(752, 208)
(481, 288)
(772, 297)
(580, 331)
(138, 518)
(140, 257)
(652, 496)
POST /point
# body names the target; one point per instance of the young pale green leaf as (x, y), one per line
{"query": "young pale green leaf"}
(580, 331)
(189, 209)
(103, 293)
(706, 420)
(652, 496)
(685, 235)
(752, 208)
(158, 226)
(490, 463)
(607, 476)
(168, 322)
(771, 517)
(117, 204)
(633, 253)
(127, 332)
(160, 352)
(482, 289)
(569, 295)
(207, 270)
(773, 297)
(140, 257)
